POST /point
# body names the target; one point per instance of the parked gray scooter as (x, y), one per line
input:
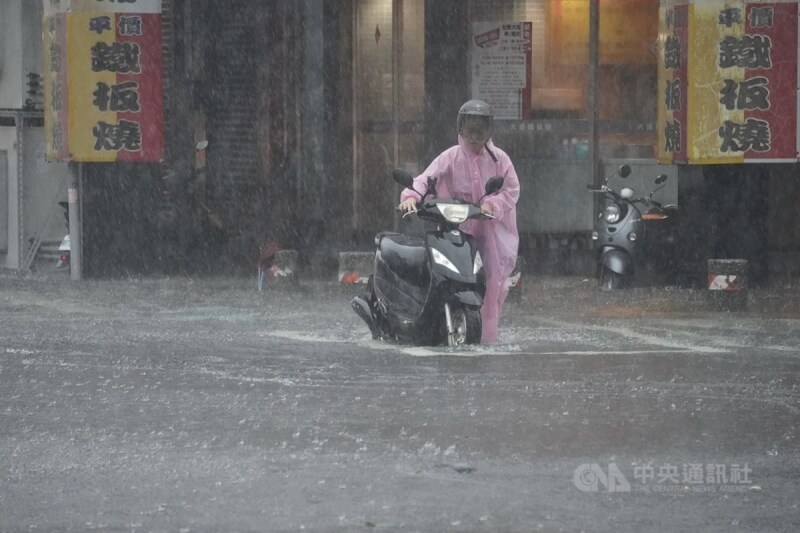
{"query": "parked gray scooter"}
(620, 231)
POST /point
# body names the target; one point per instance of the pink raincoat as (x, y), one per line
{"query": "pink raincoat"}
(463, 175)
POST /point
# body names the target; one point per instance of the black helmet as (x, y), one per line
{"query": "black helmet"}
(477, 113)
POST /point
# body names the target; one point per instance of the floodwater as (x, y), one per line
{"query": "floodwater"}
(204, 405)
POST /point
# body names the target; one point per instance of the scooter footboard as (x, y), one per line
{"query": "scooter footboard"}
(406, 299)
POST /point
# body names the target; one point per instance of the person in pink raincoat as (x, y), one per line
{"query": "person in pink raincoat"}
(463, 171)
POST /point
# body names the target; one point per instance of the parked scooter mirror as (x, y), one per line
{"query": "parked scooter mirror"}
(661, 179)
(494, 184)
(626, 193)
(624, 171)
(403, 177)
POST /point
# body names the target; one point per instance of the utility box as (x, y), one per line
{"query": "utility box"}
(727, 284)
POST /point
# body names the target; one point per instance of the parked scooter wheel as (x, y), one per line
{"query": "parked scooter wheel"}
(467, 326)
(610, 280)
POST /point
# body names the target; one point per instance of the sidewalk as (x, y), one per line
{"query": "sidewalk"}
(548, 293)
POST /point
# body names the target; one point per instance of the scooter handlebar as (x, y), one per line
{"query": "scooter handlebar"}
(417, 206)
(426, 207)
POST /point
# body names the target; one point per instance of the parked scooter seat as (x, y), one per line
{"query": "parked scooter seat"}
(405, 256)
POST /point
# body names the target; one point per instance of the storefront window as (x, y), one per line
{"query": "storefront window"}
(559, 85)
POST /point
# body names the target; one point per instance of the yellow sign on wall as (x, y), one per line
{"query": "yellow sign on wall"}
(705, 34)
(83, 115)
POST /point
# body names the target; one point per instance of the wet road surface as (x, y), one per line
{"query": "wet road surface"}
(202, 405)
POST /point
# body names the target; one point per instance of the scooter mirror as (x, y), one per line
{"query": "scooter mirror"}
(661, 179)
(202, 145)
(626, 193)
(624, 171)
(494, 184)
(403, 177)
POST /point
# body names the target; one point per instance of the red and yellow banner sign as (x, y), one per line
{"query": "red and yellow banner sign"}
(673, 77)
(103, 94)
(728, 72)
(55, 87)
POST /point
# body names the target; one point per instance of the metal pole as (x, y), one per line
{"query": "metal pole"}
(397, 50)
(355, 53)
(75, 242)
(21, 199)
(594, 46)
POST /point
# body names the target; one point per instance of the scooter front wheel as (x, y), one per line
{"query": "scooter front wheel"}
(610, 280)
(466, 326)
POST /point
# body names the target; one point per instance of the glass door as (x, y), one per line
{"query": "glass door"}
(389, 105)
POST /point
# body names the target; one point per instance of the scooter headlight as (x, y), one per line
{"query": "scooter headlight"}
(611, 213)
(478, 265)
(454, 213)
(440, 259)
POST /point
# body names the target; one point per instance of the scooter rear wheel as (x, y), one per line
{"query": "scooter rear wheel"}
(610, 280)
(467, 326)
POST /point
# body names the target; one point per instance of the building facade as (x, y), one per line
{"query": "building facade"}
(30, 189)
(307, 106)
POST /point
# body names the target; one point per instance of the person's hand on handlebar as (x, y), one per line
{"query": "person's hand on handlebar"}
(486, 209)
(408, 206)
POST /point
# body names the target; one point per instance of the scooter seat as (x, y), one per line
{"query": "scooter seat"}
(405, 255)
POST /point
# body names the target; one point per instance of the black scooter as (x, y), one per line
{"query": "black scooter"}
(632, 234)
(428, 291)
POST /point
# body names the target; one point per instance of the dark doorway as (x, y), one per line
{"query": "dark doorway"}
(736, 198)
